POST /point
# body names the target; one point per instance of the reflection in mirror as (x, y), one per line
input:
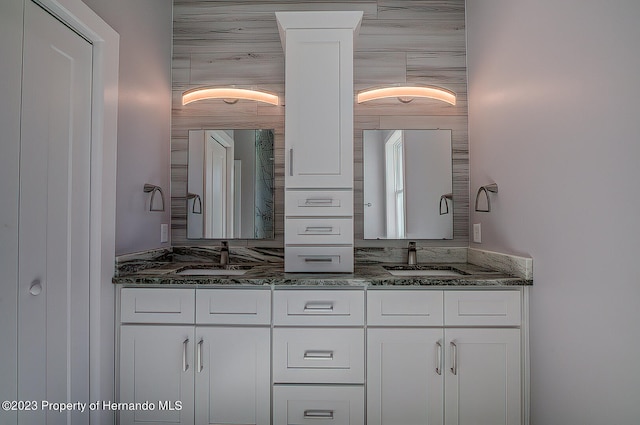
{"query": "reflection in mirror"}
(407, 184)
(230, 184)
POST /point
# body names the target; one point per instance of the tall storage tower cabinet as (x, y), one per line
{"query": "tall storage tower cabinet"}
(318, 139)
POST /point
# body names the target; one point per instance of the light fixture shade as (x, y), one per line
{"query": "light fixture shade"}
(404, 92)
(229, 93)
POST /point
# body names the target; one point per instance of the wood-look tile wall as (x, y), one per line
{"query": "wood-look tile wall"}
(223, 42)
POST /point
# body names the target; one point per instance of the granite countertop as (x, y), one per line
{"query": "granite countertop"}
(156, 272)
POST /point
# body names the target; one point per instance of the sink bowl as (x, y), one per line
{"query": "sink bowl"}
(439, 271)
(213, 270)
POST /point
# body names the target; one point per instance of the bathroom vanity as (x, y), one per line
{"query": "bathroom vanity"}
(268, 347)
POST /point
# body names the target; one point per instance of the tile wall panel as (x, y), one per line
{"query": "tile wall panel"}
(237, 42)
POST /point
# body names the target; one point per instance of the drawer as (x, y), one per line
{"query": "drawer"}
(318, 203)
(318, 307)
(233, 306)
(314, 355)
(318, 231)
(313, 405)
(405, 308)
(305, 259)
(157, 305)
(482, 308)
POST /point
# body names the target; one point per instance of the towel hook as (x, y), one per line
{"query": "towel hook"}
(154, 189)
(493, 188)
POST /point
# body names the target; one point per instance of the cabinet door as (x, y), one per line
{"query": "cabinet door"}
(483, 382)
(405, 376)
(233, 382)
(319, 102)
(156, 366)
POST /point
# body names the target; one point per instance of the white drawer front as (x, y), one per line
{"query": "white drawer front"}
(404, 308)
(318, 259)
(157, 305)
(233, 306)
(305, 355)
(313, 405)
(318, 203)
(318, 307)
(482, 308)
(318, 231)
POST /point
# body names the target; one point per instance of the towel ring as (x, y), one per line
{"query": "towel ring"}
(196, 198)
(154, 189)
(446, 204)
(493, 188)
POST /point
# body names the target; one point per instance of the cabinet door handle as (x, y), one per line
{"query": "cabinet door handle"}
(318, 355)
(318, 306)
(185, 363)
(291, 162)
(454, 358)
(199, 360)
(318, 414)
(439, 358)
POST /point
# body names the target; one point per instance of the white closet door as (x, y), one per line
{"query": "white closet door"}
(53, 325)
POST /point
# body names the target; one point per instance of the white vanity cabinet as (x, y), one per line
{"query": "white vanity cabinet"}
(318, 139)
(207, 348)
(444, 357)
(156, 364)
(318, 357)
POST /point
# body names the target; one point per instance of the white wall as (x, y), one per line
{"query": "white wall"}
(553, 119)
(144, 116)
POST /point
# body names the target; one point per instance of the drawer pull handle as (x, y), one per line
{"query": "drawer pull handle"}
(185, 363)
(439, 359)
(318, 306)
(318, 259)
(199, 360)
(323, 229)
(319, 201)
(318, 414)
(454, 358)
(318, 355)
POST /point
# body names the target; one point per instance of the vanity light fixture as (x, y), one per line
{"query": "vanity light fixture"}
(229, 95)
(406, 94)
(153, 189)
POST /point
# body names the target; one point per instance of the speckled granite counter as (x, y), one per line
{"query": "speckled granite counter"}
(272, 274)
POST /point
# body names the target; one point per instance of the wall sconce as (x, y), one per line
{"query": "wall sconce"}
(406, 94)
(196, 199)
(229, 95)
(493, 188)
(154, 189)
(446, 203)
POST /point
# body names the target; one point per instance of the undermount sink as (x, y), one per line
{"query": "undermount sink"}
(439, 271)
(214, 270)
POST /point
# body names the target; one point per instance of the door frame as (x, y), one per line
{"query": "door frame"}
(104, 109)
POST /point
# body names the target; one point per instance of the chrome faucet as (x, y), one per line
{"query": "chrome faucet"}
(224, 253)
(412, 255)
